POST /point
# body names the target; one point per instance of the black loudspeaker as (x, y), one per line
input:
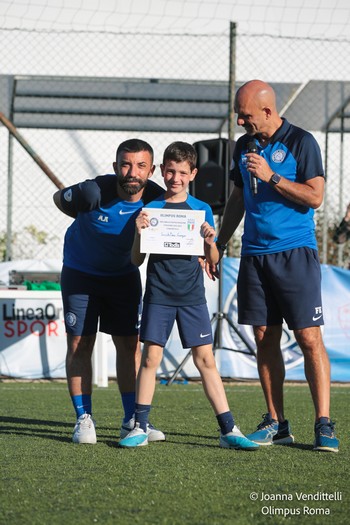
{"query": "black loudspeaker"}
(211, 182)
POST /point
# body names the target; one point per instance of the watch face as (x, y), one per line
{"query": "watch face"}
(275, 178)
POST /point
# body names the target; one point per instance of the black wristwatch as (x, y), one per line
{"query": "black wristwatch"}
(275, 178)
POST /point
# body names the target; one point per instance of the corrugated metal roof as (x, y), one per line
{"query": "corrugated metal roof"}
(162, 105)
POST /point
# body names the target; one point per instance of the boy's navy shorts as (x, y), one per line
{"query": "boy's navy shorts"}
(277, 286)
(193, 323)
(113, 301)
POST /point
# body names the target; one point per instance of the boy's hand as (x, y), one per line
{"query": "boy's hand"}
(208, 233)
(142, 221)
(212, 271)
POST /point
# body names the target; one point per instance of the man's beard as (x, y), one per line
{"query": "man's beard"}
(131, 189)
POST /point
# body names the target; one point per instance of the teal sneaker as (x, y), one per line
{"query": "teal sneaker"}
(136, 438)
(235, 439)
(325, 440)
(154, 434)
(271, 432)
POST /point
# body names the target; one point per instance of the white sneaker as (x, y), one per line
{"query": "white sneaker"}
(84, 430)
(153, 434)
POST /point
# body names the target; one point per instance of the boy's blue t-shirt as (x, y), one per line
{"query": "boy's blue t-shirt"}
(273, 223)
(176, 280)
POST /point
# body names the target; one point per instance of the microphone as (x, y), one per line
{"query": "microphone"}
(251, 148)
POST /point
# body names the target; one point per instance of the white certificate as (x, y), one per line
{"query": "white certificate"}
(173, 231)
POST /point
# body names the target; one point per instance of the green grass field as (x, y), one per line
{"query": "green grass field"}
(46, 479)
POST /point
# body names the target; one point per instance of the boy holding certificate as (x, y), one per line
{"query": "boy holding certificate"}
(175, 291)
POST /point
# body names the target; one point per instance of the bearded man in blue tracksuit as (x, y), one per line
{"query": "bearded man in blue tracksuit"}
(101, 288)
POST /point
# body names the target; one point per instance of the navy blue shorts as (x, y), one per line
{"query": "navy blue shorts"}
(277, 286)
(193, 323)
(113, 301)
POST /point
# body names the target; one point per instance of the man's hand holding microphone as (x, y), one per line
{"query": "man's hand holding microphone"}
(257, 167)
(252, 148)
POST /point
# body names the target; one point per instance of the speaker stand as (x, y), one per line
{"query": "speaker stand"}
(219, 317)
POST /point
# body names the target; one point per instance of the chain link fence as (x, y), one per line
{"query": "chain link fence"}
(37, 227)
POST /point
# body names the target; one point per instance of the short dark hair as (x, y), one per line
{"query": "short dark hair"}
(134, 146)
(180, 152)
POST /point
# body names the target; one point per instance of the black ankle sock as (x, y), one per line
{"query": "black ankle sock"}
(226, 422)
(141, 415)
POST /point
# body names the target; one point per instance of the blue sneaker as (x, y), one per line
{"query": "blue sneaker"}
(235, 439)
(271, 432)
(325, 440)
(136, 438)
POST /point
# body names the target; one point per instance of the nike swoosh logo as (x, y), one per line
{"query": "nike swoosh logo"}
(203, 335)
(121, 212)
(316, 318)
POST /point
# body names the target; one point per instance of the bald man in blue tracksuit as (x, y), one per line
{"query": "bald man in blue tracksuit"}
(280, 275)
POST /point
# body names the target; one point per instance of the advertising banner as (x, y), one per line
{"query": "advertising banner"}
(336, 331)
(33, 339)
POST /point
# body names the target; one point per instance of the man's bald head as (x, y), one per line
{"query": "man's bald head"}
(259, 91)
(255, 105)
